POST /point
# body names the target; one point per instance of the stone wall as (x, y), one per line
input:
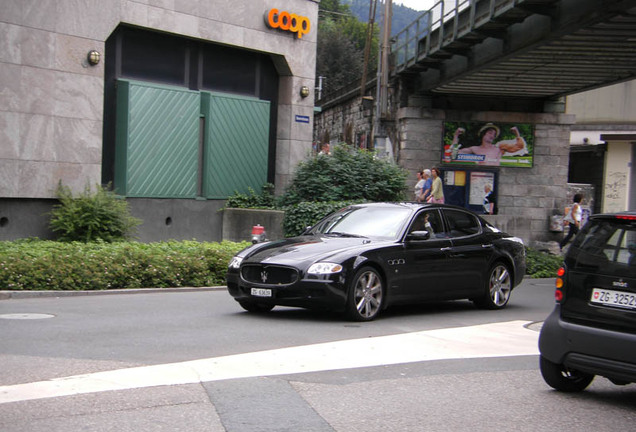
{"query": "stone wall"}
(349, 122)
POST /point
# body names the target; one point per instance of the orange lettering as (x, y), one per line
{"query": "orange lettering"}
(288, 22)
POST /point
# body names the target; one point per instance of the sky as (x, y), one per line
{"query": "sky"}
(419, 5)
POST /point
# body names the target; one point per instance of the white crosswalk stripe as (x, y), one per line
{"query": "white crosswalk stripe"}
(488, 340)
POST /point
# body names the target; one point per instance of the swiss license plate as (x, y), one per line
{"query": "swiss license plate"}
(613, 298)
(261, 292)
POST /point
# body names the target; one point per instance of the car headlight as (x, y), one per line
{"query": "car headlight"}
(236, 262)
(324, 268)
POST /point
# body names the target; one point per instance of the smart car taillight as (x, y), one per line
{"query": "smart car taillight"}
(558, 293)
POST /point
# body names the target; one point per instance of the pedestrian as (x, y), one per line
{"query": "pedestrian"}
(437, 190)
(490, 201)
(419, 186)
(428, 184)
(573, 219)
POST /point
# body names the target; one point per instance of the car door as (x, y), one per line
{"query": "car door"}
(423, 273)
(470, 252)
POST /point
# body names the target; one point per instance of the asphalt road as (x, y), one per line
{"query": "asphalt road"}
(194, 361)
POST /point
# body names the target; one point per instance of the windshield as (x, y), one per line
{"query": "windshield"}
(373, 221)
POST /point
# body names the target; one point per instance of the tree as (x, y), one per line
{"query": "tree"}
(341, 42)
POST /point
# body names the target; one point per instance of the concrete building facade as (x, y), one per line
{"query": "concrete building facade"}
(85, 83)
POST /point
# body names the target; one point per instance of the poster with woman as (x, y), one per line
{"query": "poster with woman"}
(488, 144)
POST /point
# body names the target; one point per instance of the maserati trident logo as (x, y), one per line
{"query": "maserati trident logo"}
(264, 276)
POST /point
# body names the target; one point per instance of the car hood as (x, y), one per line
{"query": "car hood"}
(305, 250)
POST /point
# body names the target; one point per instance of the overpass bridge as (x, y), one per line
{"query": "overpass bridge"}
(509, 49)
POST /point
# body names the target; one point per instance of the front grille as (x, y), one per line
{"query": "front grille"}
(269, 274)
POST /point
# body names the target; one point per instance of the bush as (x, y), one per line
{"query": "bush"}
(541, 264)
(264, 200)
(91, 216)
(298, 217)
(348, 174)
(48, 265)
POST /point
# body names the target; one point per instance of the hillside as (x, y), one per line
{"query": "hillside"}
(402, 15)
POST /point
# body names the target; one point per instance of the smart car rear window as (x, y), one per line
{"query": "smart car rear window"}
(606, 242)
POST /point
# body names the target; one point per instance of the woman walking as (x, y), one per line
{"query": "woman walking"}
(573, 218)
(437, 190)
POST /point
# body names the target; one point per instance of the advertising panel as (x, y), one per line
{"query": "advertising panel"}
(488, 144)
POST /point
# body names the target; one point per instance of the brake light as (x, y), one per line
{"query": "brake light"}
(626, 217)
(558, 293)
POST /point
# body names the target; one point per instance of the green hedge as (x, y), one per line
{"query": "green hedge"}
(541, 264)
(48, 265)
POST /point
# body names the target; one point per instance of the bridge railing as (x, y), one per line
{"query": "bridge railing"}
(441, 25)
(405, 46)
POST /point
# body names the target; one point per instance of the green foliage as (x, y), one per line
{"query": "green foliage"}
(348, 174)
(298, 217)
(264, 200)
(33, 264)
(541, 264)
(47, 265)
(341, 44)
(91, 216)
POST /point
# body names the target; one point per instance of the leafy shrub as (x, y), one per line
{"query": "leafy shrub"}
(48, 265)
(264, 200)
(541, 264)
(298, 217)
(348, 174)
(90, 216)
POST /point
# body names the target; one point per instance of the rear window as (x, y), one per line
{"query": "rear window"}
(606, 242)
(462, 223)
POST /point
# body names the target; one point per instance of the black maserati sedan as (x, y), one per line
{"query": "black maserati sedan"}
(363, 258)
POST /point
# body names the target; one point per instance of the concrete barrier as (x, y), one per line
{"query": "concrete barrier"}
(238, 223)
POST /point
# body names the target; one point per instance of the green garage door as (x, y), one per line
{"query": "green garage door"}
(163, 152)
(157, 141)
(236, 144)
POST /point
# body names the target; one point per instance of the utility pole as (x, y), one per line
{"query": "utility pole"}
(384, 69)
(381, 141)
(367, 46)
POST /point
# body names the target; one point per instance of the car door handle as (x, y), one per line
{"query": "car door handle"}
(446, 249)
(485, 246)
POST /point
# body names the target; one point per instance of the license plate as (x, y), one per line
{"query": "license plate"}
(614, 298)
(261, 292)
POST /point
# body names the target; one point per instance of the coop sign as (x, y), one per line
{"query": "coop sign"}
(285, 21)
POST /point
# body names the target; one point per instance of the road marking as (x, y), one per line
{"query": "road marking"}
(504, 339)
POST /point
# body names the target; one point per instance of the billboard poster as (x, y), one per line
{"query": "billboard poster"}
(488, 144)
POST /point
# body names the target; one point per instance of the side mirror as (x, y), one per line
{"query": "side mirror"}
(418, 235)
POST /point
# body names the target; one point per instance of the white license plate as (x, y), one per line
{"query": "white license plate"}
(261, 292)
(614, 298)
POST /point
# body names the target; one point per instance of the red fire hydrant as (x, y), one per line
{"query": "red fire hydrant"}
(258, 234)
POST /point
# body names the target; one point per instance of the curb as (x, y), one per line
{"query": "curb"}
(9, 295)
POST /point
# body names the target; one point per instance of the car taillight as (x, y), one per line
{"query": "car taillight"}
(558, 293)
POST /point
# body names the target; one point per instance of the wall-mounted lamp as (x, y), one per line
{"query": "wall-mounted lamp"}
(304, 91)
(93, 57)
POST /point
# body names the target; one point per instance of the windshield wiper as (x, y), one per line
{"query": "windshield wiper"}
(344, 234)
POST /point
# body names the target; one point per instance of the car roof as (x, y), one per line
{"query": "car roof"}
(627, 215)
(410, 204)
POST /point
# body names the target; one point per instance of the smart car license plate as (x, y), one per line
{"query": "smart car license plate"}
(261, 292)
(613, 298)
